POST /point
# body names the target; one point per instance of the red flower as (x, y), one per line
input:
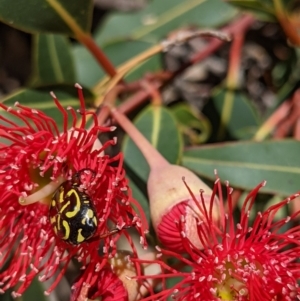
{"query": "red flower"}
(239, 261)
(110, 282)
(58, 193)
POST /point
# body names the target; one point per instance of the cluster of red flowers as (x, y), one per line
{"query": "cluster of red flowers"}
(60, 195)
(63, 198)
(237, 261)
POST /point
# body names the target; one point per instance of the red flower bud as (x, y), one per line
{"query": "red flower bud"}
(170, 200)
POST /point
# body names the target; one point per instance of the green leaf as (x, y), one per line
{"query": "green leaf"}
(288, 87)
(245, 164)
(135, 32)
(48, 16)
(151, 65)
(194, 125)
(159, 126)
(264, 9)
(236, 112)
(89, 72)
(159, 18)
(40, 98)
(35, 292)
(6, 296)
(53, 60)
(140, 197)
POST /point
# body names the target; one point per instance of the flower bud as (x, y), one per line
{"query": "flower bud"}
(170, 200)
(111, 280)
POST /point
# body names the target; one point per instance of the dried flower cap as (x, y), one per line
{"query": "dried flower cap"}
(170, 200)
(40, 165)
(124, 269)
(240, 261)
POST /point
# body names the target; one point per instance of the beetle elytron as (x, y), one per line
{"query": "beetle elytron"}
(72, 213)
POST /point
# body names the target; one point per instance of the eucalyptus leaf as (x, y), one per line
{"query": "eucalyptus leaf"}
(237, 114)
(159, 126)
(195, 126)
(52, 60)
(6, 296)
(264, 9)
(140, 197)
(47, 16)
(245, 164)
(89, 72)
(39, 98)
(35, 292)
(138, 31)
(159, 18)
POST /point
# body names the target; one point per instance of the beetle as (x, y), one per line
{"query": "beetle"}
(72, 213)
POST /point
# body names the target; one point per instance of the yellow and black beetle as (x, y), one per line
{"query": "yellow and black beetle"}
(72, 213)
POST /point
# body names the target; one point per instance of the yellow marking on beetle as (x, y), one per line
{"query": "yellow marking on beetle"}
(95, 220)
(58, 222)
(61, 195)
(67, 229)
(90, 213)
(86, 202)
(53, 203)
(71, 214)
(64, 207)
(83, 221)
(53, 220)
(80, 238)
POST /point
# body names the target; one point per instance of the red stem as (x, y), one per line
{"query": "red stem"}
(152, 156)
(288, 22)
(240, 26)
(234, 60)
(99, 55)
(137, 99)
